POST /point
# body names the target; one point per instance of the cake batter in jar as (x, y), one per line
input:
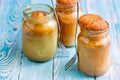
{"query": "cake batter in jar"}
(67, 14)
(93, 45)
(39, 33)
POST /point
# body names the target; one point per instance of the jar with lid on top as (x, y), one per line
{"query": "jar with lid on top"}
(93, 45)
(67, 14)
(39, 32)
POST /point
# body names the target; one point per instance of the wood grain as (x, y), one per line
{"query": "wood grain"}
(10, 25)
(73, 73)
(35, 71)
(15, 66)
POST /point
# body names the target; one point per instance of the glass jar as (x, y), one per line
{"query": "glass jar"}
(93, 49)
(39, 33)
(67, 15)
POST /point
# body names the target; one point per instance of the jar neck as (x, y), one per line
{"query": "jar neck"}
(66, 8)
(38, 7)
(94, 34)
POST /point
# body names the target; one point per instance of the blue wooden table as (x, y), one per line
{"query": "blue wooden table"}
(15, 66)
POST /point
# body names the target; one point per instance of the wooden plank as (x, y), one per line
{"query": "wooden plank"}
(12, 67)
(107, 11)
(10, 12)
(36, 71)
(73, 73)
(114, 72)
(59, 62)
(7, 46)
(41, 2)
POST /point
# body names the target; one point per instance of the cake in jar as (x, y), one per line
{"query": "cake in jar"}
(39, 33)
(67, 15)
(93, 45)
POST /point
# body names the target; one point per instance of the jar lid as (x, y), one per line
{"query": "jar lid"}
(92, 22)
(67, 2)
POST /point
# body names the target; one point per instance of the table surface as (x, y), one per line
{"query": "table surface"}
(15, 66)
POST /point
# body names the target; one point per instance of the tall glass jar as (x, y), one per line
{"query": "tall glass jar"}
(39, 33)
(93, 45)
(67, 14)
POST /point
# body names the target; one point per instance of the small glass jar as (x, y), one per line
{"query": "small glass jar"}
(67, 15)
(39, 34)
(93, 49)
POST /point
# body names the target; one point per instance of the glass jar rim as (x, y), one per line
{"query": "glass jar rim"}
(67, 6)
(29, 8)
(97, 31)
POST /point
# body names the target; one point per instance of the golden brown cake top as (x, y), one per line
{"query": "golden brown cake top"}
(92, 22)
(38, 14)
(67, 2)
